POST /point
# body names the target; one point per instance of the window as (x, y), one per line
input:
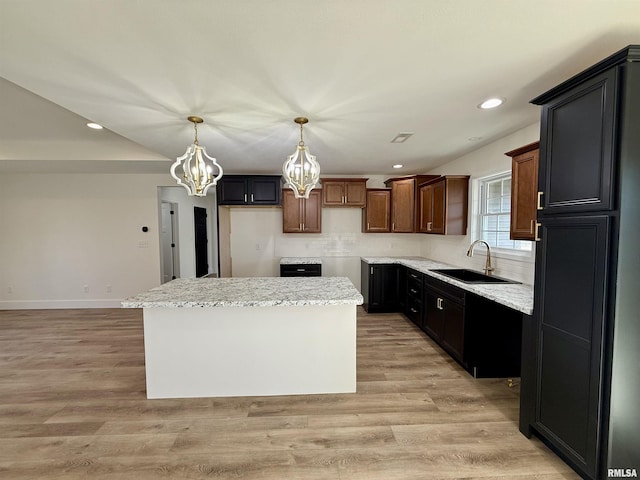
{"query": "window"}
(495, 214)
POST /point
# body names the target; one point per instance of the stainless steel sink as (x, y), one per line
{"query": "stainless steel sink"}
(471, 276)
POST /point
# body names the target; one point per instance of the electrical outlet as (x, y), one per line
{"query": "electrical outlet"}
(9, 289)
(257, 246)
(86, 289)
(108, 288)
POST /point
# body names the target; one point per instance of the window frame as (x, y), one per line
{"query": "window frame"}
(478, 184)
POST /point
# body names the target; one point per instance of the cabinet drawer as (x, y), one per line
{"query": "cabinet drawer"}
(454, 293)
(414, 311)
(412, 274)
(301, 270)
(414, 288)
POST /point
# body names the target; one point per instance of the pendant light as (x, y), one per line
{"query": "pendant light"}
(198, 171)
(301, 170)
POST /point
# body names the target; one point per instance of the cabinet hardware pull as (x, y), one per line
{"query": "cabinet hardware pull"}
(344, 199)
(300, 227)
(414, 310)
(413, 290)
(371, 270)
(393, 226)
(300, 270)
(245, 198)
(368, 227)
(252, 198)
(532, 226)
(540, 200)
(537, 234)
(439, 304)
(429, 226)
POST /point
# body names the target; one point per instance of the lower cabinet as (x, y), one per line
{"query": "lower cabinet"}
(379, 285)
(301, 270)
(414, 291)
(444, 318)
(480, 334)
(483, 336)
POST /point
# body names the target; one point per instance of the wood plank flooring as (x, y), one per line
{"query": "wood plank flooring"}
(73, 406)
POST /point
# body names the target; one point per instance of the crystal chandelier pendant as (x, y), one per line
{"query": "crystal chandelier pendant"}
(195, 170)
(301, 170)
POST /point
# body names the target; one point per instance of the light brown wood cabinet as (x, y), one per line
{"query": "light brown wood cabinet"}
(405, 202)
(444, 204)
(344, 192)
(300, 215)
(376, 216)
(524, 191)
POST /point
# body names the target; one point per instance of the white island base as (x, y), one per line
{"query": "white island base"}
(250, 351)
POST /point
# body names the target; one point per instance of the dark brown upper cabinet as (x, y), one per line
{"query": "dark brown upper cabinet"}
(376, 216)
(300, 215)
(405, 202)
(344, 192)
(443, 205)
(524, 191)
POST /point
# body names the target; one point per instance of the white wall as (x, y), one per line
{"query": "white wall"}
(483, 162)
(257, 242)
(62, 232)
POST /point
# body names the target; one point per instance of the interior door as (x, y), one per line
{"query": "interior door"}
(168, 241)
(201, 241)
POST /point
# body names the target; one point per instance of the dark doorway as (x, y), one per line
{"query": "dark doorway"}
(200, 225)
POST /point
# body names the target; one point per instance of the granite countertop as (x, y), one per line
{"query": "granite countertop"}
(248, 292)
(300, 261)
(518, 296)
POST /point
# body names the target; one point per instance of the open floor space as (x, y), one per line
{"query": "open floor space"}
(73, 405)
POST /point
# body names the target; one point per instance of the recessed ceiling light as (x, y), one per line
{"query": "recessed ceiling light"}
(397, 165)
(95, 126)
(491, 103)
(401, 137)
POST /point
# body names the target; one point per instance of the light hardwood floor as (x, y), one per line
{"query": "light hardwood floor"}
(73, 405)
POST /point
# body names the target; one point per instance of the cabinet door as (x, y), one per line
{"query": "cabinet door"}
(377, 213)
(312, 212)
(433, 314)
(439, 206)
(381, 288)
(232, 191)
(291, 212)
(333, 193)
(524, 190)
(453, 329)
(355, 193)
(426, 208)
(577, 147)
(264, 190)
(569, 310)
(402, 206)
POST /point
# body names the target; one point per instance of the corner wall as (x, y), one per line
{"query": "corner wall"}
(76, 240)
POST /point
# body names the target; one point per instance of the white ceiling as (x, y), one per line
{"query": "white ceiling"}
(361, 70)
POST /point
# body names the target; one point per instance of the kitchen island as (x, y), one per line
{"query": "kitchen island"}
(218, 337)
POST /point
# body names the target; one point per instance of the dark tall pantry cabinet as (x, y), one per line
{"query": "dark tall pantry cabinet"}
(581, 376)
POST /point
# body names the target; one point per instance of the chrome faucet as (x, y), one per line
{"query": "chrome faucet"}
(487, 267)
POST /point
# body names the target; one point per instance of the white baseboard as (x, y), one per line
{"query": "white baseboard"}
(57, 304)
